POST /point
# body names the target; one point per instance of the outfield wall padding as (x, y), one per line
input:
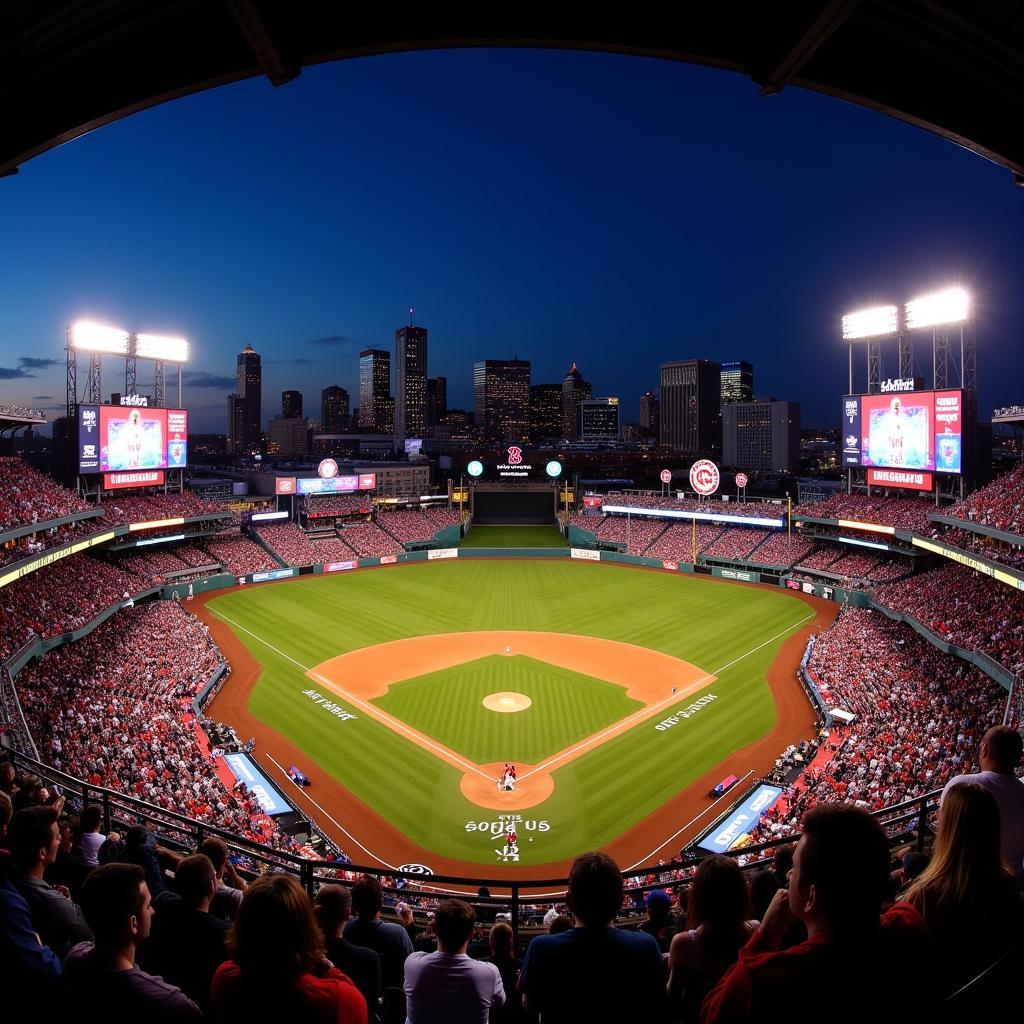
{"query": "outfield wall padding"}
(513, 552)
(580, 538)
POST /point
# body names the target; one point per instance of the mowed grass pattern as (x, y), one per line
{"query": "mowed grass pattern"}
(294, 626)
(448, 706)
(514, 537)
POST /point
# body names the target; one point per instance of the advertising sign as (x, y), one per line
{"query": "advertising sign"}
(143, 478)
(704, 477)
(367, 481)
(88, 438)
(340, 566)
(284, 485)
(742, 821)
(246, 770)
(388, 559)
(851, 430)
(327, 469)
(900, 478)
(115, 438)
(592, 500)
(741, 479)
(948, 431)
(434, 553)
(326, 485)
(666, 564)
(665, 476)
(273, 574)
(586, 554)
(261, 517)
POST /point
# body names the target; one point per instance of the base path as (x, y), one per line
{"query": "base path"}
(655, 679)
(371, 840)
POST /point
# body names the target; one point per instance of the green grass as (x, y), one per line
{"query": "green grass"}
(514, 537)
(448, 705)
(596, 797)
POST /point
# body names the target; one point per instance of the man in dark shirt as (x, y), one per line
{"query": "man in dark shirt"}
(389, 941)
(594, 971)
(187, 944)
(100, 979)
(333, 906)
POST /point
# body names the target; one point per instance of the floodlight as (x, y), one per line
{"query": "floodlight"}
(156, 346)
(870, 323)
(90, 337)
(952, 306)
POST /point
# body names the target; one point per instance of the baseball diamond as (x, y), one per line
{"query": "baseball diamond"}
(376, 682)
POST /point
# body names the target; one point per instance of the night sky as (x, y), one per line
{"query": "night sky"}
(613, 211)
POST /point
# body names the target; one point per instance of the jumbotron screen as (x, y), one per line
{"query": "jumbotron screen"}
(115, 438)
(911, 430)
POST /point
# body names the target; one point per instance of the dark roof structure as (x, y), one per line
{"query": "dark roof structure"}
(954, 67)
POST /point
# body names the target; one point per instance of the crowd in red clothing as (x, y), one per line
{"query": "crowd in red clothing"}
(999, 504)
(739, 542)
(902, 513)
(967, 608)
(368, 540)
(289, 543)
(920, 715)
(28, 496)
(143, 508)
(409, 525)
(326, 505)
(637, 532)
(677, 542)
(711, 505)
(238, 554)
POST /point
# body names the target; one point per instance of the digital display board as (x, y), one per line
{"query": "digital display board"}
(114, 439)
(912, 431)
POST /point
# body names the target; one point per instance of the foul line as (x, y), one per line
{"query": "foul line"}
(374, 712)
(671, 699)
(327, 814)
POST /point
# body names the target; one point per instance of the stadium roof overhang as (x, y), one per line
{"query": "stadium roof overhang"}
(954, 67)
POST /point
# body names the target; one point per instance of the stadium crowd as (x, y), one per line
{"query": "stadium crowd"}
(289, 543)
(28, 496)
(368, 540)
(326, 505)
(409, 525)
(145, 508)
(677, 542)
(999, 504)
(711, 506)
(901, 513)
(636, 532)
(739, 542)
(238, 554)
(783, 550)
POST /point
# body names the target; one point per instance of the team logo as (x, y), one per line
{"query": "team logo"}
(328, 469)
(704, 477)
(415, 869)
(89, 419)
(510, 851)
(515, 456)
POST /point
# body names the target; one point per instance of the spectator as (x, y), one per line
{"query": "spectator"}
(967, 895)
(594, 971)
(228, 898)
(406, 920)
(560, 923)
(839, 881)
(1000, 754)
(718, 918)
(448, 985)
(100, 979)
(660, 922)
(90, 839)
(502, 944)
(389, 941)
(22, 956)
(188, 943)
(277, 969)
(333, 908)
(140, 848)
(34, 840)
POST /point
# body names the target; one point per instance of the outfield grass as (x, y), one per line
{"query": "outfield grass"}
(714, 625)
(448, 705)
(514, 537)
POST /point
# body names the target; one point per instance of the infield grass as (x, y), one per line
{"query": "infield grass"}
(514, 537)
(731, 631)
(448, 706)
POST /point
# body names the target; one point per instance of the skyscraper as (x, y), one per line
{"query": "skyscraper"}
(737, 381)
(574, 390)
(763, 435)
(236, 424)
(249, 388)
(291, 404)
(410, 383)
(334, 418)
(545, 411)
(599, 419)
(437, 400)
(691, 399)
(374, 389)
(650, 414)
(501, 398)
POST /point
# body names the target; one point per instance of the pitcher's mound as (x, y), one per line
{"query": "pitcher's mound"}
(507, 702)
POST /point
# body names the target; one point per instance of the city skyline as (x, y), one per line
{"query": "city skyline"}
(558, 212)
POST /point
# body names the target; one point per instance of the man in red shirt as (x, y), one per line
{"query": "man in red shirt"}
(856, 963)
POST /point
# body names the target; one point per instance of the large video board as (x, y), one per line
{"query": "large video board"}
(114, 438)
(910, 430)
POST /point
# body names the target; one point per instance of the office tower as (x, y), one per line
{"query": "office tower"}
(691, 398)
(249, 388)
(410, 383)
(501, 398)
(737, 381)
(545, 411)
(574, 390)
(288, 436)
(334, 418)
(291, 404)
(650, 414)
(762, 435)
(599, 419)
(374, 389)
(236, 425)
(437, 400)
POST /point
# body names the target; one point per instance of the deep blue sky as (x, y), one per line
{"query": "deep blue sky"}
(613, 211)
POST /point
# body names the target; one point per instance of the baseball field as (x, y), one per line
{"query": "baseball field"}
(620, 694)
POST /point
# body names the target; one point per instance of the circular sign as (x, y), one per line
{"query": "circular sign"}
(666, 476)
(475, 468)
(704, 477)
(328, 469)
(415, 869)
(553, 468)
(741, 479)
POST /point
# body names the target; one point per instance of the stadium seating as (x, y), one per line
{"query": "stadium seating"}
(369, 541)
(1000, 504)
(783, 550)
(332, 549)
(638, 531)
(736, 543)
(326, 505)
(901, 513)
(47, 537)
(676, 543)
(821, 558)
(28, 496)
(410, 525)
(855, 565)
(238, 554)
(731, 508)
(289, 543)
(138, 509)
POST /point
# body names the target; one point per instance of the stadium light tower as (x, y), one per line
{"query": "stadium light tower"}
(870, 325)
(939, 311)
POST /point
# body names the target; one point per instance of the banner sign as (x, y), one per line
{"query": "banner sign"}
(54, 555)
(711, 517)
(586, 554)
(284, 485)
(742, 821)
(434, 553)
(246, 770)
(900, 478)
(388, 559)
(274, 574)
(336, 484)
(740, 574)
(592, 500)
(669, 565)
(340, 566)
(972, 563)
(260, 517)
(142, 478)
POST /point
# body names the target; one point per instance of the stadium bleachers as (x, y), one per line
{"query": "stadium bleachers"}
(289, 543)
(368, 540)
(637, 532)
(676, 543)
(901, 513)
(28, 496)
(782, 550)
(238, 554)
(999, 504)
(738, 542)
(410, 525)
